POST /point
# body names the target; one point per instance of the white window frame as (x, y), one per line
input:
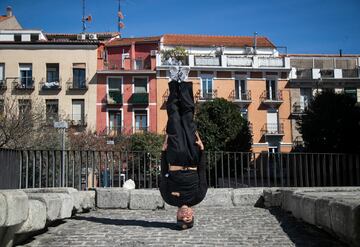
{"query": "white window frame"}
(275, 79)
(2, 75)
(241, 78)
(207, 76)
(114, 77)
(147, 116)
(141, 77)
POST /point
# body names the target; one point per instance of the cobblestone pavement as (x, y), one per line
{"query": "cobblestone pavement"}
(242, 226)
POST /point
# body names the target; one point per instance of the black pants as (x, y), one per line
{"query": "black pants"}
(182, 150)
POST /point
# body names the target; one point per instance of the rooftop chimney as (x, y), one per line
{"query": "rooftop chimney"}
(9, 11)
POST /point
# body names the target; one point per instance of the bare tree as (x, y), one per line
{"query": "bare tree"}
(23, 125)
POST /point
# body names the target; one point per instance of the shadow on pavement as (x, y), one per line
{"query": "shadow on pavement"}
(303, 234)
(122, 222)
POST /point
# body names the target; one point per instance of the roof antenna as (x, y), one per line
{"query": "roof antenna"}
(120, 24)
(85, 18)
(340, 52)
(255, 41)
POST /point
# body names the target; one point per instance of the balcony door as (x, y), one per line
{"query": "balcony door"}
(115, 122)
(206, 86)
(272, 121)
(141, 120)
(305, 97)
(240, 89)
(26, 75)
(271, 89)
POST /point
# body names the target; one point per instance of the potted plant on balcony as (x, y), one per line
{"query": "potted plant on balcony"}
(175, 56)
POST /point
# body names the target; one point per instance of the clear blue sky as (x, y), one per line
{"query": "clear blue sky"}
(304, 26)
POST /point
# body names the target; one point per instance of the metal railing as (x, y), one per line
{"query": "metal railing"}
(273, 129)
(9, 169)
(24, 83)
(275, 95)
(77, 85)
(205, 95)
(236, 95)
(50, 85)
(89, 169)
(3, 85)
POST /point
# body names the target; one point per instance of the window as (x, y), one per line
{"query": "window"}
(114, 89)
(272, 121)
(2, 107)
(34, 37)
(115, 122)
(207, 86)
(52, 72)
(26, 80)
(138, 64)
(352, 92)
(305, 97)
(140, 85)
(140, 120)
(240, 89)
(2, 75)
(52, 110)
(24, 106)
(17, 37)
(79, 76)
(271, 89)
(78, 117)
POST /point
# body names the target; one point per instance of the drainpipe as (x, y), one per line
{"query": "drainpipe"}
(255, 41)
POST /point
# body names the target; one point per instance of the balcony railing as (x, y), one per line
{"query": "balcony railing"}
(139, 98)
(78, 120)
(24, 83)
(205, 95)
(297, 109)
(207, 61)
(77, 85)
(271, 62)
(140, 129)
(271, 97)
(240, 96)
(273, 129)
(50, 85)
(114, 131)
(3, 85)
(167, 62)
(239, 61)
(114, 98)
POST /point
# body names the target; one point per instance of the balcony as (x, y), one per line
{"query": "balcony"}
(207, 61)
(23, 83)
(273, 129)
(3, 86)
(202, 96)
(297, 109)
(271, 62)
(77, 85)
(49, 86)
(239, 61)
(78, 121)
(272, 98)
(140, 130)
(114, 98)
(327, 73)
(241, 98)
(113, 131)
(139, 98)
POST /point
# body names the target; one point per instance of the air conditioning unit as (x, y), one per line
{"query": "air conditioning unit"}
(92, 36)
(249, 50)
(81, 36)
(153, 52)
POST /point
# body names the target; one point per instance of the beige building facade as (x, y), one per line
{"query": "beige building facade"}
(60, 76)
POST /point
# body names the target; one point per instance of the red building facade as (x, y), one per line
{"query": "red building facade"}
(126, 90)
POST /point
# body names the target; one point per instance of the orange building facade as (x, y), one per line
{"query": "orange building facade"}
(252, 76)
